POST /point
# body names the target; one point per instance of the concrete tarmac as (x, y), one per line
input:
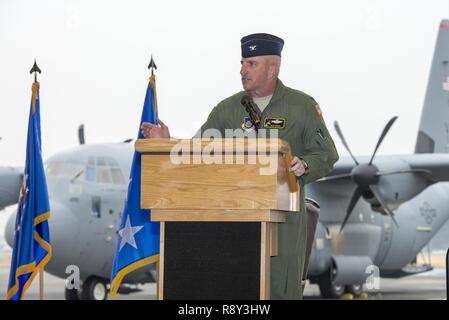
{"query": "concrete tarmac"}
(429, 285)
(424, 286)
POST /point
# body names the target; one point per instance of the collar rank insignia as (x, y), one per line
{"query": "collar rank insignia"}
(274, 123)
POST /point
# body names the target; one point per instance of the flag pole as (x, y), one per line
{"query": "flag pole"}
(41, 284)
(35, 87)
(36, 69)
(152, 66)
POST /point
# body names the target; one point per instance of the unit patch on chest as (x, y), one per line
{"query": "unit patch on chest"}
(274, 123)
(247, 125)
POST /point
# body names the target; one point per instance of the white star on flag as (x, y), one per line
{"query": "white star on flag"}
(127, 234)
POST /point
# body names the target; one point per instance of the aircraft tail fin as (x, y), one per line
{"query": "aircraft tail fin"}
(433, 135)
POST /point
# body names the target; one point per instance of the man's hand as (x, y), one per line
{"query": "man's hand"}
(150, 130)
(297, 167)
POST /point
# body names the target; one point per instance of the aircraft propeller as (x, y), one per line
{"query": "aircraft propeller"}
(82, 139)
(81, 134)
(367, 176)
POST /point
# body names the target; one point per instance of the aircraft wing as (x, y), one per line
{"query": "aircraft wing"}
(342, 166)
(436, 163)
(10, 183)
(400, 178)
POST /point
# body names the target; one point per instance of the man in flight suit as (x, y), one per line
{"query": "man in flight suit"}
(298, 120)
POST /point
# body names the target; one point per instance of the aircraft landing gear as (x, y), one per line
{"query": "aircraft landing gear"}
(355, 289)
(328, 289)
(94, 289)
(71, 294)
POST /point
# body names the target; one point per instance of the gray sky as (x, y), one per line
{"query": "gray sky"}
(363, 61)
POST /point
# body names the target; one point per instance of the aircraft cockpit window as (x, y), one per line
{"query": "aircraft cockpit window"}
(101, 161)
(108, 171)
(68, 170)
(112, 162)
(90, 173)
(103, 175)
(97, 169)
(54, 169)
(117, 176)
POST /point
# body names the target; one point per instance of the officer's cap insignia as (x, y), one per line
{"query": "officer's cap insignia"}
(274, 123)
(261, 44)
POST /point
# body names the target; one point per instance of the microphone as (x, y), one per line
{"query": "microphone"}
(248, 103)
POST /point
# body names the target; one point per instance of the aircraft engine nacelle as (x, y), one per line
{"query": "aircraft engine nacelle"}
(348, 270)
(398, 188)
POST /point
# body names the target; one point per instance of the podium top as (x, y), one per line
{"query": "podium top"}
(244, 145)
(237, 146)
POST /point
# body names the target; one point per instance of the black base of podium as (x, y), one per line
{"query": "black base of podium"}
(212, 260)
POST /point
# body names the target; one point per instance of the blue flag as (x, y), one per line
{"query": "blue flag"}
(138, 240)
(31, 250)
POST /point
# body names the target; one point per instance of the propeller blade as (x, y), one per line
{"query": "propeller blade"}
(382, 136)
(352, 203)
(420, 171)
(336, 177)
(342, 138)
(379, 198)
(81, 134)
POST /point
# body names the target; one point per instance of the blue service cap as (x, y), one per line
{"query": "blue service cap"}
(261, 44)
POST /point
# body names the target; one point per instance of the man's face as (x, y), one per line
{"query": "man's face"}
(255, 72)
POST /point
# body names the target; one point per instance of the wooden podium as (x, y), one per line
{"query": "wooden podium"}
(218, 202)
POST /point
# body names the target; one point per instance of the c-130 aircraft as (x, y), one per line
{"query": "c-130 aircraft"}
(10, 183)
(87, 188)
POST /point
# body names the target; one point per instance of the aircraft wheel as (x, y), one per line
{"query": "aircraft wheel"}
(94, 289)
(328, 289)
(71, 294)
(355, 289)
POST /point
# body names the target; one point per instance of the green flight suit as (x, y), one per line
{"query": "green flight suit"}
(304, 129)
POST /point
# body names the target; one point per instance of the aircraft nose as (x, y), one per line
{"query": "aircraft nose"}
(10, 182)
(9, 229)
(62, 223)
